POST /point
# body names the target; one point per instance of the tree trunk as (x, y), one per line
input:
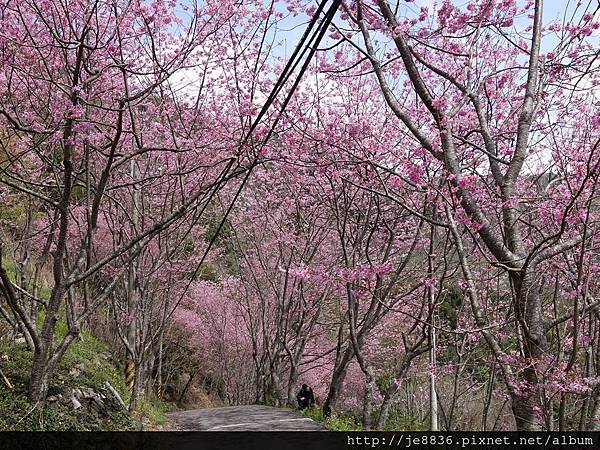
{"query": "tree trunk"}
(526, 405)
(368, 401)
(292, 382)
(594, 422)
(138, 385)
(337, 380)
(391, 392)
(488, 397)
(42, 367)
(40, 380)
(433, 400)
(384, 411)
(41, 374)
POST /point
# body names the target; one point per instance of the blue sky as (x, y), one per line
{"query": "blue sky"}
(291, 28)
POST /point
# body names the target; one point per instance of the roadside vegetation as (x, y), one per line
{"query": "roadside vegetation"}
(87, 364)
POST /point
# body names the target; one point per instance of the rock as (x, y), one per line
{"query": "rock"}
(73, 398)
(90, 395)
(82, 397)
(77, 370)
(75, 403)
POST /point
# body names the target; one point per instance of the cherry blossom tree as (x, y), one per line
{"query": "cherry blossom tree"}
(86, 95)
(418, 205)
(478, 93)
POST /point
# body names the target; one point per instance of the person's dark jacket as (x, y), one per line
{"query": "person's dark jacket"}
(306, 398)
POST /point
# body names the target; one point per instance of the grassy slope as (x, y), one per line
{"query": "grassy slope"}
(352, 421)
(16, 413)
(100, 366)
(334, 422)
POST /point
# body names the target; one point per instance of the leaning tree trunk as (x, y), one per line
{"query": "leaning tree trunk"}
(594, 421)
(337, 380)
(392, 391)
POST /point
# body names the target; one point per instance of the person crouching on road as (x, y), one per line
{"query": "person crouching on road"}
(305, 397)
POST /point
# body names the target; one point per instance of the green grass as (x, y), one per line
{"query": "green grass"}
(154, 410)
(398, 421)
(336, 422)
(19, 414)
(351, 421)
(16, 413)
(12, 213)
(100, 366)
(314, 412)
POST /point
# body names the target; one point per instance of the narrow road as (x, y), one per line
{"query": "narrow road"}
(242, 418)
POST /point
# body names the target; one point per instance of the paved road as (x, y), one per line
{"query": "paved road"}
(242, 418)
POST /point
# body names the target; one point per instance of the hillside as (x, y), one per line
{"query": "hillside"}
(83, 373)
